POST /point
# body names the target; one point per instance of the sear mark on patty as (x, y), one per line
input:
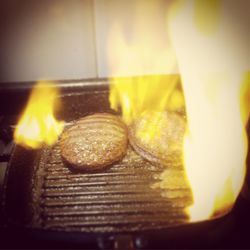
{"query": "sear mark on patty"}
(94, 142)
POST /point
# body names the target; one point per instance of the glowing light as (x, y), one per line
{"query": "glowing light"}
(37, 124)
(137, 84)
(135, 95)
(212, 73)
(211, 68)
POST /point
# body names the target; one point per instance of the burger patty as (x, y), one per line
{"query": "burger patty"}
(94, 142)
(158, 136)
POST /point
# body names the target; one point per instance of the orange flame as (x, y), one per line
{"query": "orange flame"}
(37, 124)
(212, 70)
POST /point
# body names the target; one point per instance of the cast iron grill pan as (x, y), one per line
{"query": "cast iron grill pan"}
(41, 192)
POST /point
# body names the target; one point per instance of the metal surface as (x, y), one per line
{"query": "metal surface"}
(119, 199)
(42, 192)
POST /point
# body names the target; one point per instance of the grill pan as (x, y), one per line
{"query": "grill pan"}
(116, 205)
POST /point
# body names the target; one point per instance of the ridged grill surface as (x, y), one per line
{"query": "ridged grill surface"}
(128, 196)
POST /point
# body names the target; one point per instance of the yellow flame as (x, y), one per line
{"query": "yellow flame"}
(133, 55)
(136, 95)
(211, 66)
(212, 70)
(206, 15)
(37, 124)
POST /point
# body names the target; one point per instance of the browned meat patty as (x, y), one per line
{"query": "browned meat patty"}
(94, 142)
(158, 136)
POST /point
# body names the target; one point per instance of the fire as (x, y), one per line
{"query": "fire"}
(212, 71)
(37, 124)
(136, 95)
(211, 55)
(130, 57)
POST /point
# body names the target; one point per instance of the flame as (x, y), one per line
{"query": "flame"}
(211, 56)
(137, 95)
(212, 71)
(144, 88)
(37, 124)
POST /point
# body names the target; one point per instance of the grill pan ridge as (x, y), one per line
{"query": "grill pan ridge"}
(117, 200)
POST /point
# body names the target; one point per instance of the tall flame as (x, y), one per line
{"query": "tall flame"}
(136, 56)
(37, 124)
(212, 70)
(211, 55)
